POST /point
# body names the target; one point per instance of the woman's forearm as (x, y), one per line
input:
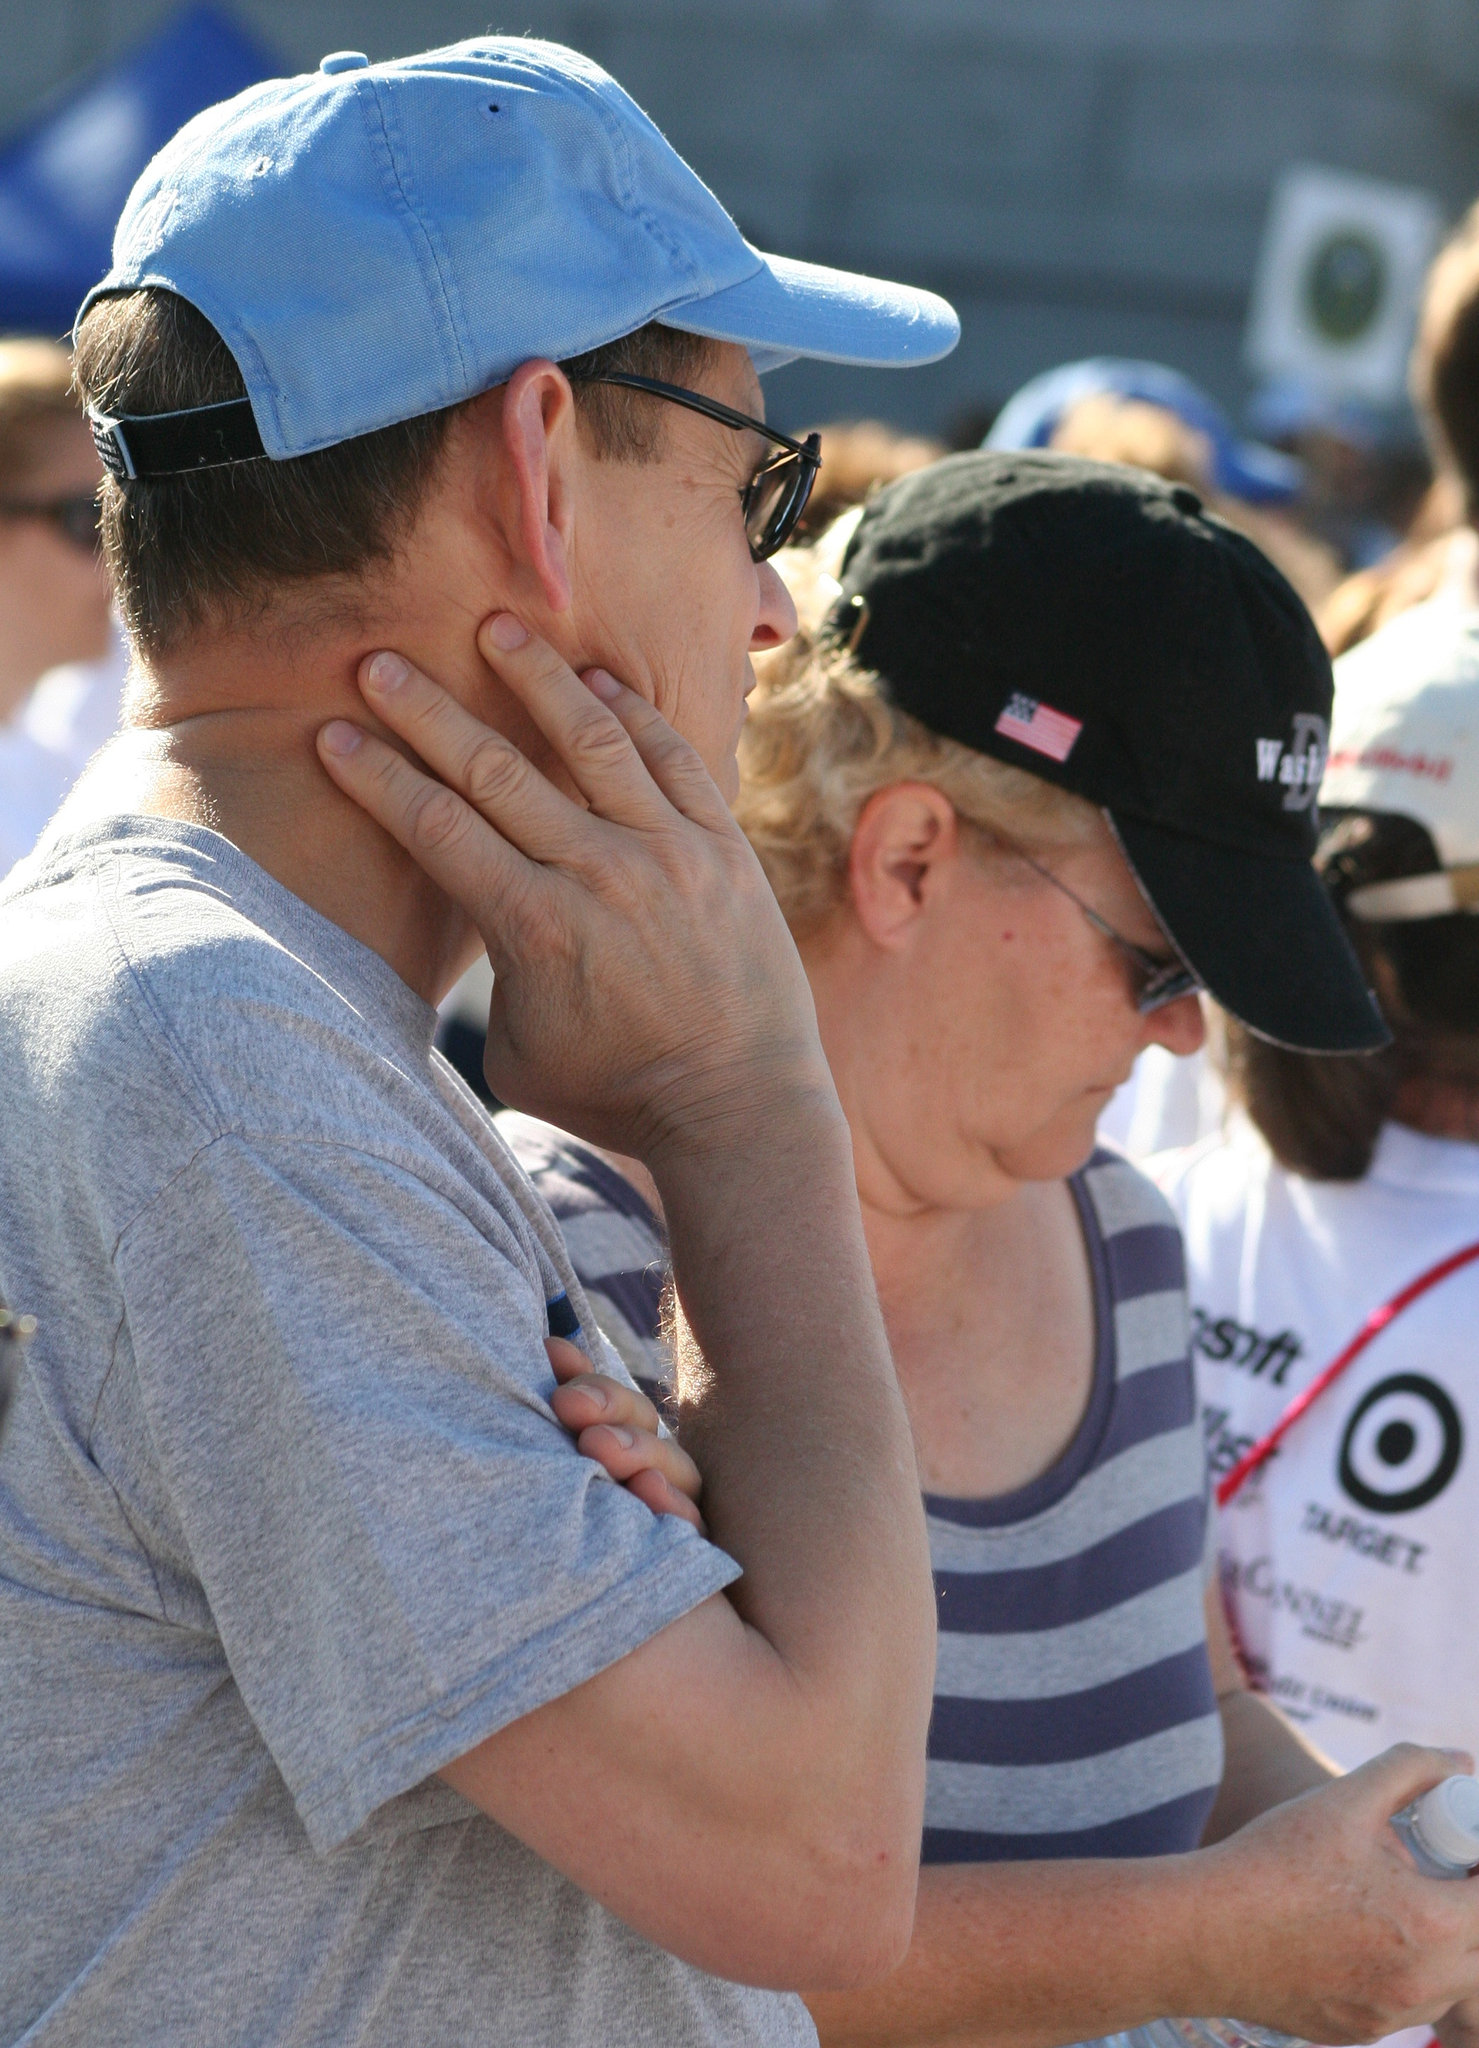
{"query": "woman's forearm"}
(1025, 1955)
(1265, 1758)
(1310, 1919)
(1267, 1761)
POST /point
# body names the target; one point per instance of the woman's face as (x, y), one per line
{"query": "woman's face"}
(976, 1020)
(54, 601)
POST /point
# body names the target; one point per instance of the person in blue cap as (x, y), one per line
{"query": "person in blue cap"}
(1240, 468)
(344, 1699)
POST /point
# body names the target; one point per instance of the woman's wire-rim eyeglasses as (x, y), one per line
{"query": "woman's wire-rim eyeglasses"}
(1165, 981)
(775, 497)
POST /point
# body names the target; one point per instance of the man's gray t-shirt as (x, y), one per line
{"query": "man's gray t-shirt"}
(286, 1522)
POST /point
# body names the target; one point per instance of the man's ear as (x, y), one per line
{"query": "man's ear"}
(907, 837)
(539, 440)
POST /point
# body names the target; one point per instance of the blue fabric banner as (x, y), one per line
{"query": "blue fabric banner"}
(65, 175)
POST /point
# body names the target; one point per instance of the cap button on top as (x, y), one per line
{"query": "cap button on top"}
(343, 60)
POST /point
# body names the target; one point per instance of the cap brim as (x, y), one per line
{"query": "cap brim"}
(1263, 935)
(789, 309)
(1259, 475)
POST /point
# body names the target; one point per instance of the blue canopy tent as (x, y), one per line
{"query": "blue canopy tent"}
(65, 175)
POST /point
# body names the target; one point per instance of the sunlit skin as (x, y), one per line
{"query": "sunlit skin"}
(54, 599)
(626, 559)
(525, 517)
(976, 1016)
(977, 1024)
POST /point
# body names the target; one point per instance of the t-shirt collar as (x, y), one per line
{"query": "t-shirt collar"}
(1409, 1159)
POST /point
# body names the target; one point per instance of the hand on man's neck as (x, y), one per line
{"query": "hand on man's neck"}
(220, 731)
(521, 514)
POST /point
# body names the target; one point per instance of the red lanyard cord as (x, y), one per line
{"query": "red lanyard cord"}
(1373, 1326)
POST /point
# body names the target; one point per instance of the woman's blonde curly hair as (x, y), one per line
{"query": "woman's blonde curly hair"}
(821, 738)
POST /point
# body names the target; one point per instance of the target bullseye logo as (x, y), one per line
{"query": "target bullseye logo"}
(1401, 1446)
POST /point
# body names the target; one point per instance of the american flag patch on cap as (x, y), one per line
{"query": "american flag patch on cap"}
(1040, 727)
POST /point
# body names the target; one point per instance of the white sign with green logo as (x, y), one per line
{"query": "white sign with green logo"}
(1339, 278)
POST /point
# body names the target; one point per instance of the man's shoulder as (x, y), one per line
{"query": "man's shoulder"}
(134, 895)
(75, 989)
(162, 978)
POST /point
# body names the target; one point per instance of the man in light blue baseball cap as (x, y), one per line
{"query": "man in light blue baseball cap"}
(348, 1697)
(379, 241)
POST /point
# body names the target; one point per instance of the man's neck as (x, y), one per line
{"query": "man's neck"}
(224, 736)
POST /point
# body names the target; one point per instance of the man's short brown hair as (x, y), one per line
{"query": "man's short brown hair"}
(213, 545)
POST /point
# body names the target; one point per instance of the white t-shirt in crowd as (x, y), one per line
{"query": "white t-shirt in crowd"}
(1169, 1100)
(1347, 1562)
(63, 722)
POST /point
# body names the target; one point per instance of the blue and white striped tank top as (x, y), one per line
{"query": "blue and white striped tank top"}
(1074, 1711)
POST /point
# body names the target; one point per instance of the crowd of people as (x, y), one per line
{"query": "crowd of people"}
(911, 1486)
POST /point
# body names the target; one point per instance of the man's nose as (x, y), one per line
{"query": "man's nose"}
(775, 622)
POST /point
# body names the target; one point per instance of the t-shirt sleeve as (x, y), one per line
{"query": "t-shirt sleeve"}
(344, 1374)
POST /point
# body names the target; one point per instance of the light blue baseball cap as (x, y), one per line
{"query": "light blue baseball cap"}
(376, 241)
(1244, 469)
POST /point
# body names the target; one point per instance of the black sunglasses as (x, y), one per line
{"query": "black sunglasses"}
(76, 519)
(775, 497)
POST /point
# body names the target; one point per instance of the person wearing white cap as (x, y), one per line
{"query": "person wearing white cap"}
(344, 1699)
(1337, 1226)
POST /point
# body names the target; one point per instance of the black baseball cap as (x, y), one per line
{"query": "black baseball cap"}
(1100, 628)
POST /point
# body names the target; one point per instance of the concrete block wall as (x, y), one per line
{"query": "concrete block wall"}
(1078, 175)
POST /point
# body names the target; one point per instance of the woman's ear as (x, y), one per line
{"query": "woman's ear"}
(538, 425)
(906, 840)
